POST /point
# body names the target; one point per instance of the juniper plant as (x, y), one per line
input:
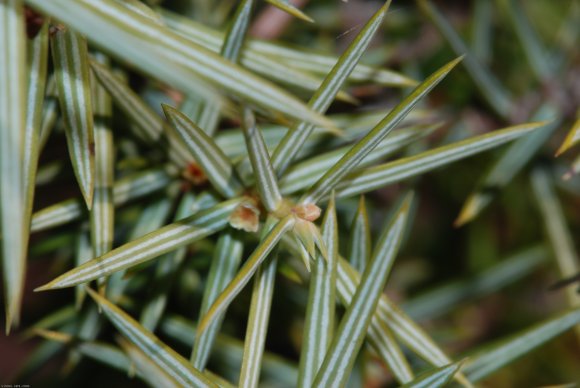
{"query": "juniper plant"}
(202, 168)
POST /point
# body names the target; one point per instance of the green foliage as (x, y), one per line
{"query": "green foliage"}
(197, 167)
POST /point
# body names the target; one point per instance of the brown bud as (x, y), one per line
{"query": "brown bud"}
(246, 216)
(34, 22)
(194, 174)
(309, 211)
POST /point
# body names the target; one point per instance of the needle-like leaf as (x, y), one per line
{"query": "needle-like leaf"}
(70, 57)
(261, 64)
(359, 252)
(55, 319)
(42, 354)
(536, 55)
(412, 335)
(341, 354)
(152, 217)
(49, 112)
(512, 160)
(148, 125)
(435, 378)
(226, 260)
(83, 253)
(296, 136)
(304, 174)
(229, 351)
(268, 58)
(149, 371)
(12, 129)
(572, 138)
(210, 157)
(37, 80)
(379, 335)
(236, 34)
(124, 190)
(115, 358)
(165, 272)
(143, 9)
(264, 174)
(230, 50)
(483, 363)
(232, 141)
(369, 142)
(89, 324)
(286, 6)
(389, 315)
(102, 215)
(162, 355)
(482, 30)
(242, 278)
(260, 307)
(375, 177)
(154, 244)
(98, 351)
(320, 309)
(559, 236)
(441, 300)
(496, 96)
(158, 51)
(383, 342)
